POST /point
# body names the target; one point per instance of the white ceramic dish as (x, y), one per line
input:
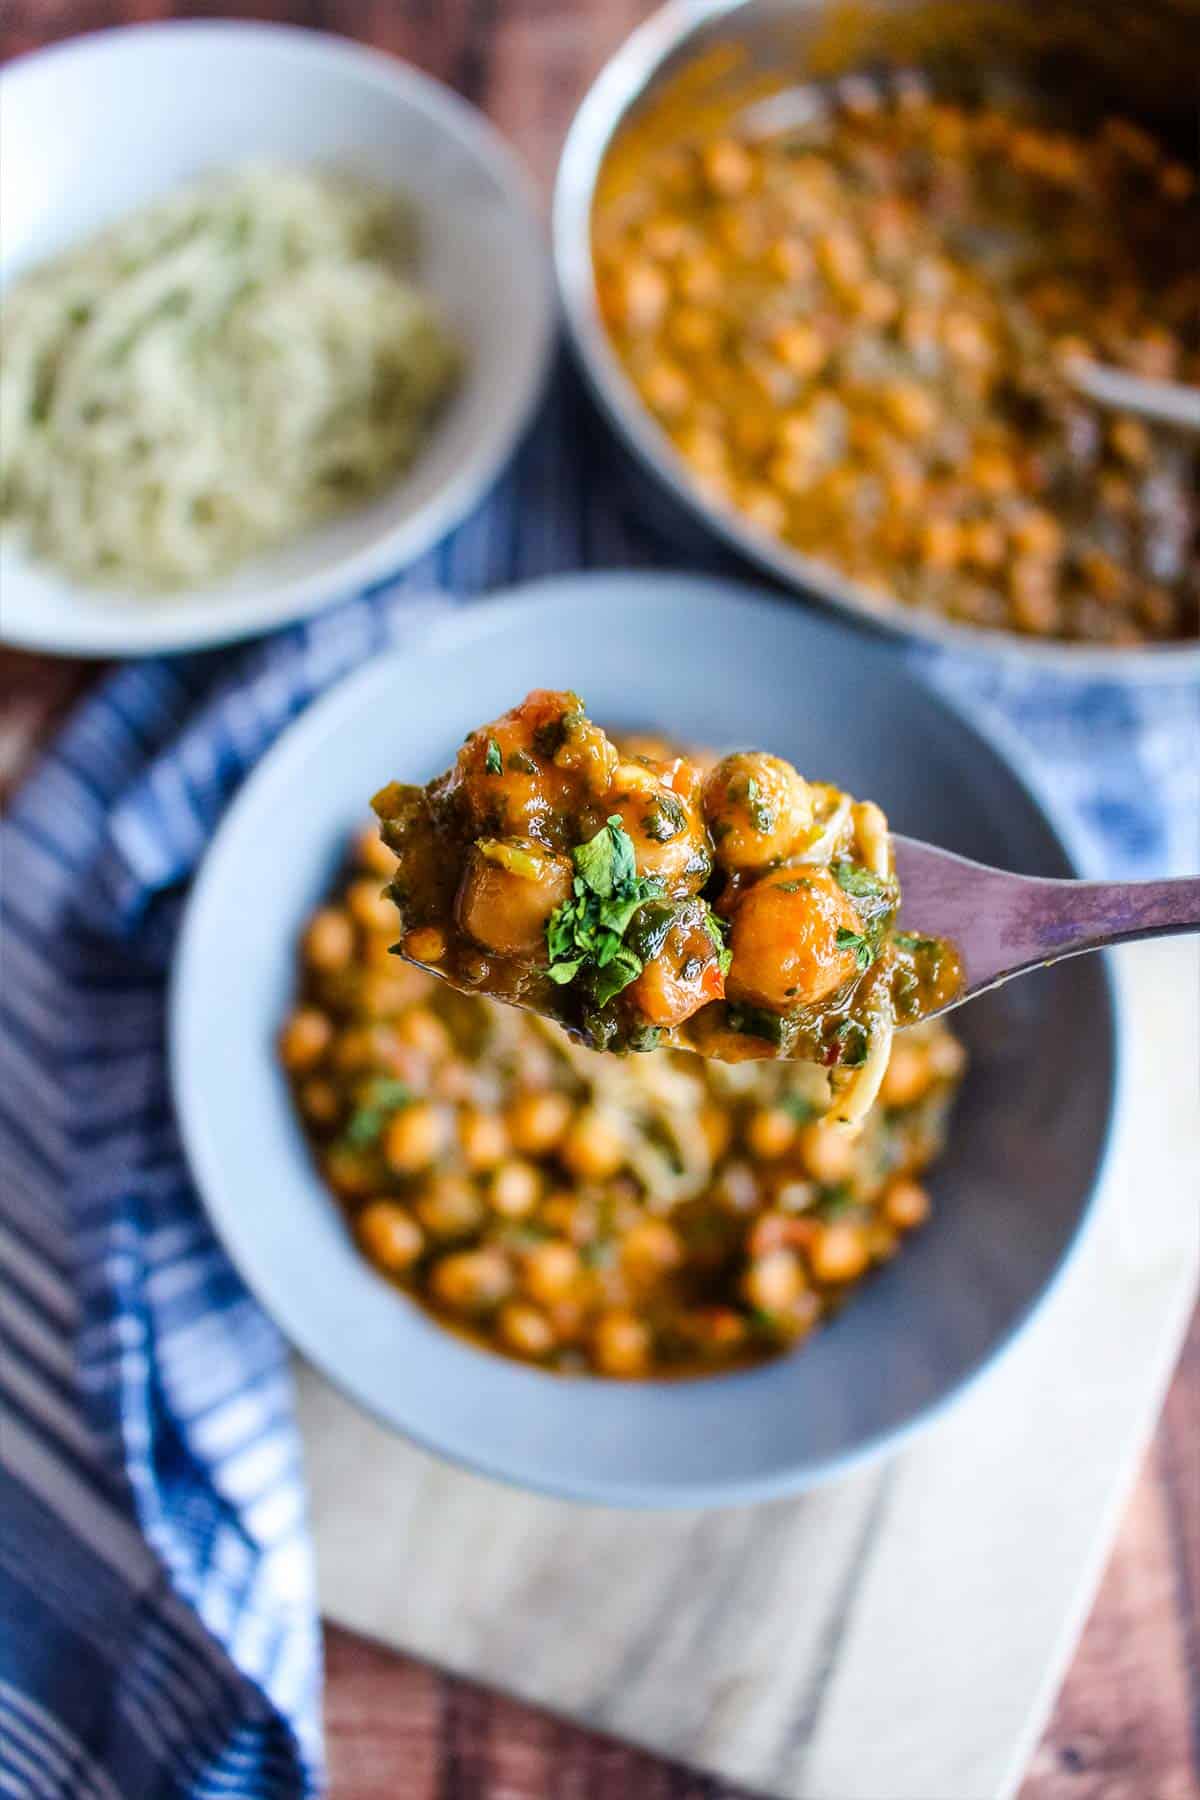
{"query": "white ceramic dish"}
(101, 125)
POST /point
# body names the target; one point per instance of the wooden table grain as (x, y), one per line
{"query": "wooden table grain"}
(1127, 1721)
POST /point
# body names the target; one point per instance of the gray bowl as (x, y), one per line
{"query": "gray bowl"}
(715, 664)
(1083, 60)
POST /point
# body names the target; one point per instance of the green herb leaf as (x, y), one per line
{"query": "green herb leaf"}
(761, 816)
(493, 762)
(716, 929)
(382, 1098)
(665, 820)
(859, 883)
(845, 939)
(585, 934)
(853, 1042)
(522, 762)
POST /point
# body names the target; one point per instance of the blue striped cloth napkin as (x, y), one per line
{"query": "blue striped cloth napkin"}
(156, 1584)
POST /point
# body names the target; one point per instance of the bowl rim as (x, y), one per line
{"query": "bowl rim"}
(169, 621)
(544, 598)
(620, 85)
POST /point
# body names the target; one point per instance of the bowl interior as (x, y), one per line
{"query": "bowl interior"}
(1074, 63)
(153, 108)
(715, 666)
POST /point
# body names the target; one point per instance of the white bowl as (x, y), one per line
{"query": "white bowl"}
(96, 128)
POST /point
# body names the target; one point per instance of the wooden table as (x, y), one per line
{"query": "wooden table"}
(1127, 1723)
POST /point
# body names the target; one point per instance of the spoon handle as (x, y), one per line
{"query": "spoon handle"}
(1003, 924)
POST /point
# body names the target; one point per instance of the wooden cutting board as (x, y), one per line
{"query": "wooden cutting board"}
(897, 1635)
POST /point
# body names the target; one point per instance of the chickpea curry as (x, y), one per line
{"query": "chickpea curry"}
(626, 1216)
(642, 900)
(857, 332)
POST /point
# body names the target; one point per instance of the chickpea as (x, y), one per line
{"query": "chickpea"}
(772, 1282)
(305, 1038)
(736, 1188)
(320, 1101)
(594, 1145)
(842, 260)
(384, 993)
(550, 1270)
(1038, 533)
(784, 940)
(482, 1139)
(983, 544)
(329, 940)
(763, 508)
(758, 809)
(801, 349)
(770, 1132)
(508, 891)
(790, 259)
(666, 389)
(449, 1207)
(351, 1173)
(621, 1344)
(373, 855)
(668, 837)
(1033, 596)
(992, 471)
(536, 1122)
(682, 974)
(728, 167)
(693, 331)
(946, 1056)
(525, 1329)
(828, 1153)
(471, 1280)
(716, 1128)
(908, 1074)
(650, 1249)
(941, 544)
(910, 408)
(906, 1204)
(422, 1031)
(426, 944)
(370, 907)
(515, 1188)
(639, 298)
(414, 1138)
(389, 1235)
(1130, 440)
(839, 1252)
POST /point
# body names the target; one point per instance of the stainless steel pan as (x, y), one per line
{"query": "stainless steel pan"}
(1079, 57)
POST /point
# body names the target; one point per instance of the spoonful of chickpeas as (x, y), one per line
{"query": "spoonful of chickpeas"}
(645, 898)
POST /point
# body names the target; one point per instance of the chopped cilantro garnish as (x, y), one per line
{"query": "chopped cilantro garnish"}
(493, 762)
(715, 928)
(549, 737)
(798, 1107)
(761, 816)
(853, 1041)
(665, 820)
(382, 1098)
(859, 883)
(522, 762)
(585, 933)
(845, 939)
(832, 1202)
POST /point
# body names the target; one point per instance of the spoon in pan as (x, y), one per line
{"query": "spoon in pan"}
(1004, 925)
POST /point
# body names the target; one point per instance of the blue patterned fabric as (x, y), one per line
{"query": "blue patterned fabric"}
(156, 1589)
